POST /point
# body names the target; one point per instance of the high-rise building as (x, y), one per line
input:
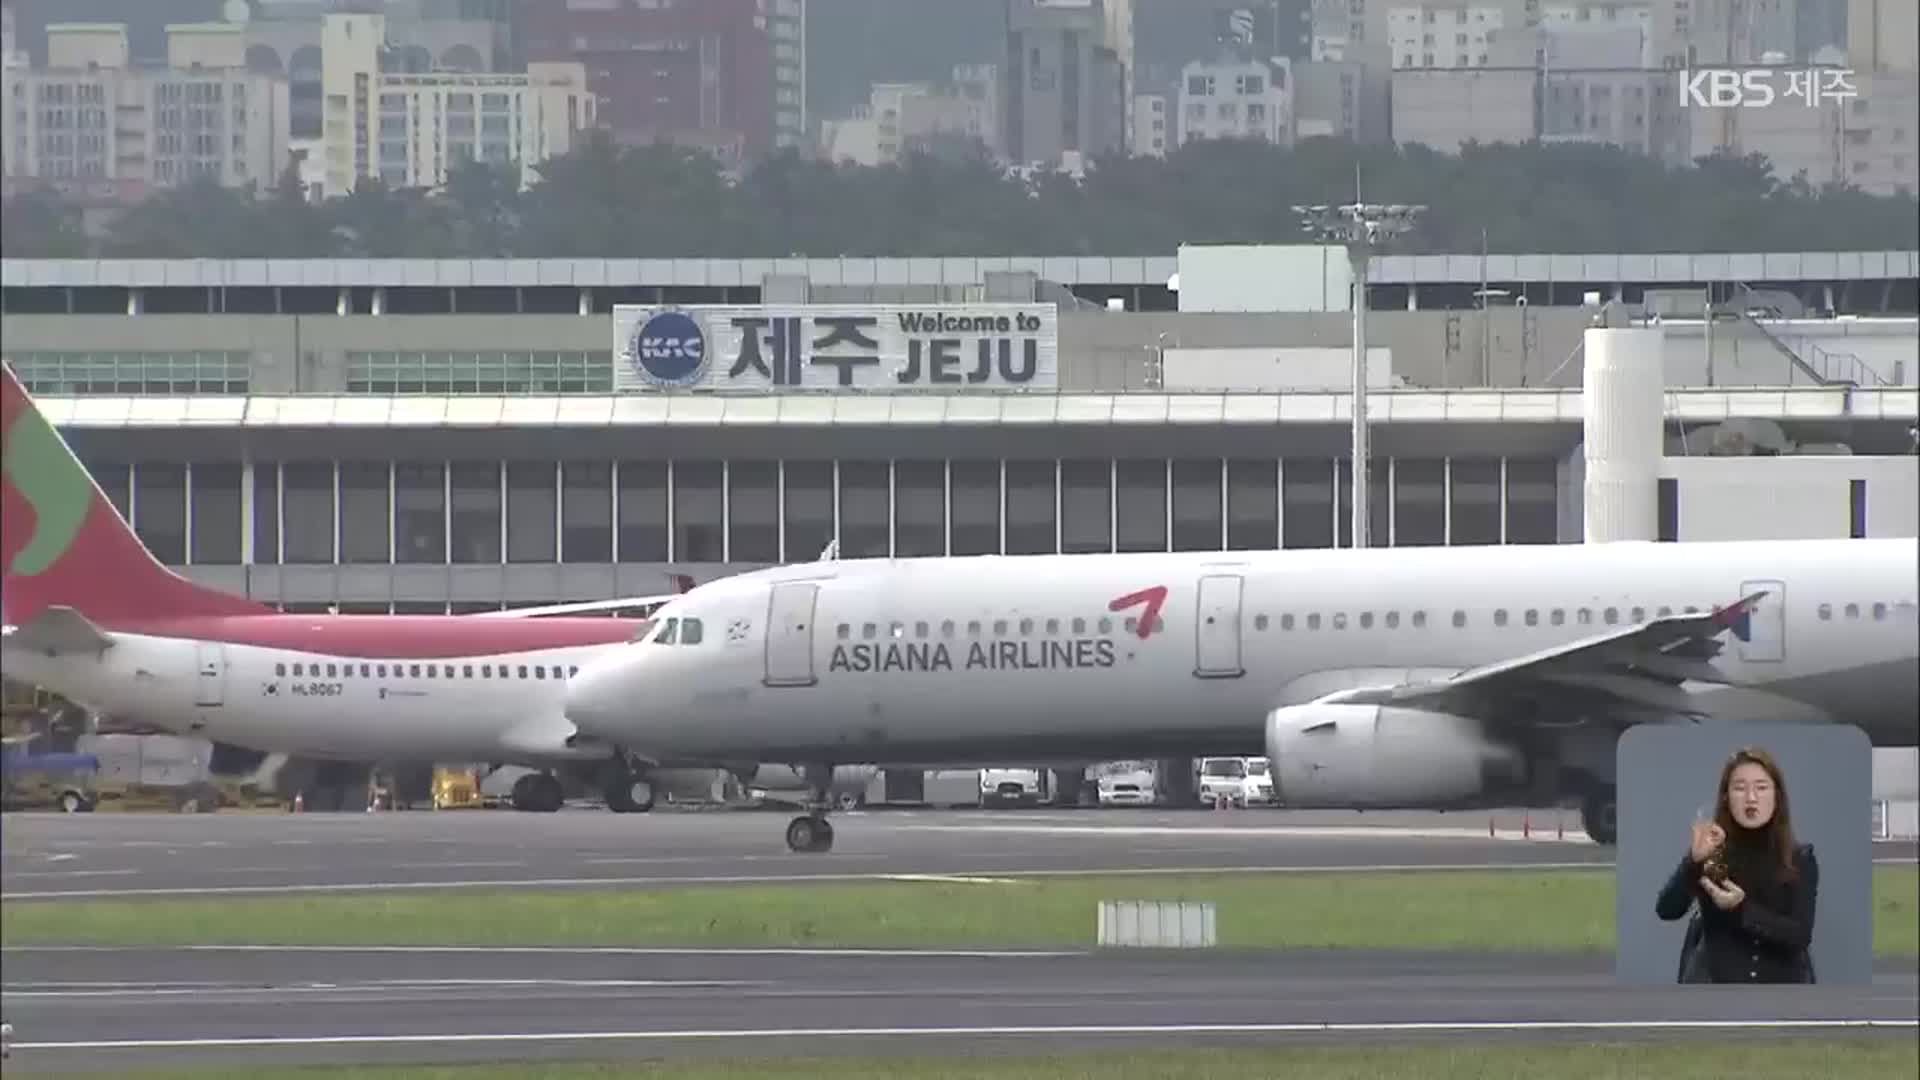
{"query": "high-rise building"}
(91, 118)
(1064, 83)
(411, 128)
(787, 26)
(1881, 33)
(700, 74)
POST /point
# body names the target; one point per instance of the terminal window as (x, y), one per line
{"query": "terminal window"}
(542, 372)
(61, 374)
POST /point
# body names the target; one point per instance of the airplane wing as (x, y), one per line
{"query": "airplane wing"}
(1638, 666)
(582, 607)
(59, 630)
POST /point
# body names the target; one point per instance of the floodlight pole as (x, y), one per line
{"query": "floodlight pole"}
(1361, 228)
(1358, 256)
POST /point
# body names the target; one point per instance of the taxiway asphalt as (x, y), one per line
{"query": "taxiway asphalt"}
(56, 857)
(121, 1009)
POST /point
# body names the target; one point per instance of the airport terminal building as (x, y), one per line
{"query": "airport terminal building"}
(422, 436)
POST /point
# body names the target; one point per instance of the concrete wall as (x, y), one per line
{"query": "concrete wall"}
(1866, 350)
(1782, 498)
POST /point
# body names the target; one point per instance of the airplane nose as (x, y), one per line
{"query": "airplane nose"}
(595, 699)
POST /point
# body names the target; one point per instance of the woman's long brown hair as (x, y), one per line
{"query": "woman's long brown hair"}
(1778, 829)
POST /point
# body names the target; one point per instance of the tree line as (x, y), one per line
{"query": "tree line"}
(659, 201)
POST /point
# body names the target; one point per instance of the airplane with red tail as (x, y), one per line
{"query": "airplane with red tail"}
(91, 615)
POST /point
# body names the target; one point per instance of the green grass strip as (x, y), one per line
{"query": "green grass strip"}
(1508, 911)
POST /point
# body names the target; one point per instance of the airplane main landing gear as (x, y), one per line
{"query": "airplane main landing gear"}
(1598, 815)
(811, 833)
(540, 793)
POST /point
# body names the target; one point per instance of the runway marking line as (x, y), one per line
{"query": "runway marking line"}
(131, 990)
(1329, 1027)
(566, 950)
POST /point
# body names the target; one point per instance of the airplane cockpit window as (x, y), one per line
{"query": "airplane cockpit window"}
(669, 633)
(691, 631)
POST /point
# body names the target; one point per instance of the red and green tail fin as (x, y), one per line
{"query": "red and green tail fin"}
(62, 542)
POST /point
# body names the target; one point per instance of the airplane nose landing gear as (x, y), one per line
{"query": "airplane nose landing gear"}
(812, 833)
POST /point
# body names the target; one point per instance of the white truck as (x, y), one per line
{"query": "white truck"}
(1238, 781)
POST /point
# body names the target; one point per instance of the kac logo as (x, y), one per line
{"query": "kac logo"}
(670, 350)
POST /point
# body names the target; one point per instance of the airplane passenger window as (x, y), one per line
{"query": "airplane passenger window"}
(1132, 624)
(1691, 610)
(946, 628)
(1026, 627)
(330, 671)
(1393, 619)
(1339, 620)
(1612, 615)
(1366, 620)
(868, 630)
(973, 628)
(691, 632)
(433, 671)
(1053, 627)
(1879, 612)
(896, 630)
(1286, 621)
(380, 670)
(999, 628)
(1586, 616)
(1826, 612)
(1159, 624)
(1853, 611)
(366, 671)
(523, 671)
(1459, 619)
(1079, 627)
(1106, 626)
(486, 671)
(466, 671)
(296, 670)
(1313, 621)
(540, 671)
(843, 631)
(1559, 617)
(1259, 622)
(572, 670)
(919, 629)
(1500, 617)
(1419, 619)
(279, 669)
(1639, 614)
(413, 670)
(1532, 617)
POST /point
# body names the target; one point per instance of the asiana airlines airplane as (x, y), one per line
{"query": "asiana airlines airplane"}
(1378, 677)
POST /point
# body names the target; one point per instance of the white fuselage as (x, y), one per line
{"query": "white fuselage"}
(477, 708)
(989, 657)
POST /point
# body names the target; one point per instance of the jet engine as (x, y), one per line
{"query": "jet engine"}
(1352, 756)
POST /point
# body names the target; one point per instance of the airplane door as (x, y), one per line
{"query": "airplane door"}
(790, 634)
(1765, 637)
(1217, 628)
(210, 679)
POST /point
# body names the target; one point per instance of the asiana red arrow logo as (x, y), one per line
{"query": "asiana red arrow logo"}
(1154, 598)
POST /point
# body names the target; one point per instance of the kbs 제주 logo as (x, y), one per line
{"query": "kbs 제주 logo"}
(669, 349)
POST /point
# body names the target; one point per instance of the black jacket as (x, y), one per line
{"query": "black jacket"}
(1764, 940)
